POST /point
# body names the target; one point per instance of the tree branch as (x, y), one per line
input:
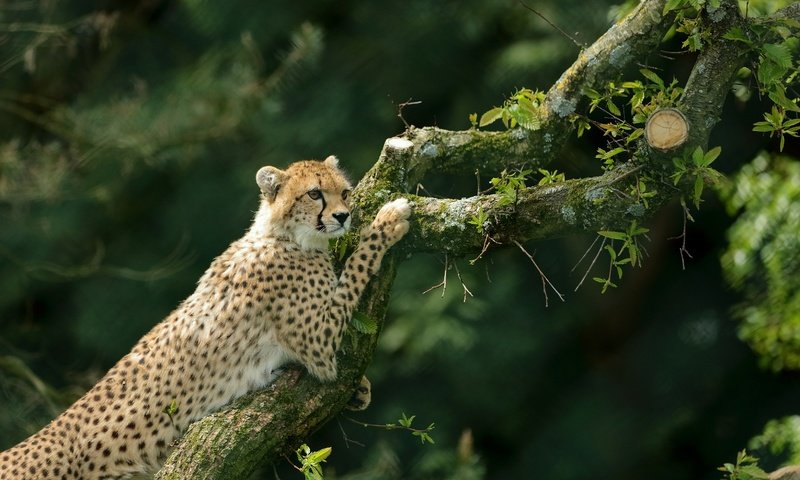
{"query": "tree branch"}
(271, 422)
(445, 151)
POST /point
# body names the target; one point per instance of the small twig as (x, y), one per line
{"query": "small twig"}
(621, 177)
(347, 440)
(478, 181)
(545, 280)
(403, 105)
(286, 457)
(388, 426)
(683, 250)
(463, 285)
(594, 260)
(443, 283)
(586, 253)
(421, 187)
(577, 43)
(485, 247)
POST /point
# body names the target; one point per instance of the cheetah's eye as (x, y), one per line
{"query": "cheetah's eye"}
(314, 194)
(345, 194)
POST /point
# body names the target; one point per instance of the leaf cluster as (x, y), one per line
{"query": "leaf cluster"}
(746, 468)
(643, 98)
(761, 260)
(508, 185)
(521, 108)
(689, 22)
(406, 422)
(697, 165)
(311, 461)
(628, 253)
(776, 45)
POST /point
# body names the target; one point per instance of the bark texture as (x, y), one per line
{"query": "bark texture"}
(267, 424)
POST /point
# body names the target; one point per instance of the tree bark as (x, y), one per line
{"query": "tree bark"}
(267, 424)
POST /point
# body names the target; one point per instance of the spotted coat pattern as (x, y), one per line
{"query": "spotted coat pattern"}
(270, 298)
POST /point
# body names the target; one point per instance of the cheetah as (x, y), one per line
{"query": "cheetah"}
(271, 298)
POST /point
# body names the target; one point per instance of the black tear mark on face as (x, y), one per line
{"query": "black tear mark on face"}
(320, 225)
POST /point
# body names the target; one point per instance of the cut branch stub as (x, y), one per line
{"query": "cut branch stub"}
(666, 129)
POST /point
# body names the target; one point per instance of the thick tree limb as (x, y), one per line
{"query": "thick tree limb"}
(444, 151)
(267, 424)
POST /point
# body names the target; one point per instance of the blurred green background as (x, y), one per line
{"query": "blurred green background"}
(130, 135)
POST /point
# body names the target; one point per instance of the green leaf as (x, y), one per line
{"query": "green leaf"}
(491, 116)
(697, 157)
(672, 5)
(634, 135)
(777, 93)
(737, 34)
(698, 190)
(363, 323)
(613, 235)
(633, 253)
(341, 249)
(319, 456)
(763, 127)
(780, 54)
(769, 72)
(591, 93)
(603, 155)
(406, 421)
(753, 471)
(613, 108)
(651, 75)
(711, 155)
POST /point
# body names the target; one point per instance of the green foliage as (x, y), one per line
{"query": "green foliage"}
(406, 422)
(549, 177)
(641, 192)
(761, 260)
(776, 45)
(364, 323)
(479, 220)
(745, 468)
(311, 461)
(607, 156)
(628, 253)
(697, 166)
(689, 22)
(522, 109)
(508, 185)
(781, 437)
(776, 124)
(171, 410)
(643, 98)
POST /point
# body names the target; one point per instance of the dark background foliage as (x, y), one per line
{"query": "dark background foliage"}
(131, 132)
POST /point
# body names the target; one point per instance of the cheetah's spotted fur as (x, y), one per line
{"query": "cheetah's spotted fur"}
(271, 297)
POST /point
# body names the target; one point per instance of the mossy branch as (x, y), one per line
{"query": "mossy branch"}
(264, 425)
(442, 151)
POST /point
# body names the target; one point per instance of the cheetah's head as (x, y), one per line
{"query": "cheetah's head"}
(308, 202)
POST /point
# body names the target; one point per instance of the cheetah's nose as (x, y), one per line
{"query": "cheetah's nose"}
(341, 217)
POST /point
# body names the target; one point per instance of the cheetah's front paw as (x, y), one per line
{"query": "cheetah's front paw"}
(392, 220)
(361, 397)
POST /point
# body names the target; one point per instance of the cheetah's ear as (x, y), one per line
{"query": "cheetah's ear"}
(269, 180)
(331, 161)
